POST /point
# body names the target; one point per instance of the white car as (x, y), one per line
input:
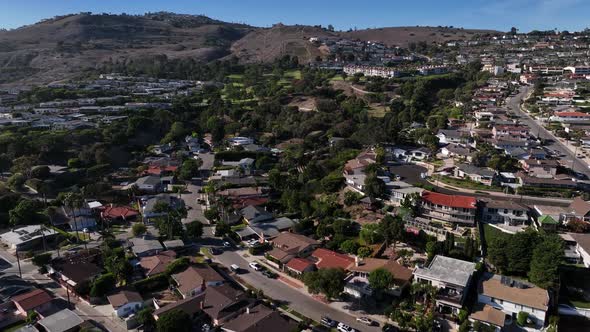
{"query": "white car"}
(344, 328)
(255, 266)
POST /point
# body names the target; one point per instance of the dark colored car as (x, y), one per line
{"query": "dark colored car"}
(328, 322)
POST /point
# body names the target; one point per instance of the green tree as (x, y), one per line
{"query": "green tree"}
(194, 229)
(189, 169)
(392, 229)
(547, 256)
(16, 181)
(174, 321)
(363, 252)
(145, 317)
(177, 266)
(222, 229)
(351, 198)
(496, 251)
(41, 259)
(330, 282)
(102, 285)
(521, 318)
(138, 229)
(374, 186)
(349, 246)
(380, 279)
(371, 233)
(24, 213)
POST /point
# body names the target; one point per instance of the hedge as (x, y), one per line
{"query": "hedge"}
(150, 284)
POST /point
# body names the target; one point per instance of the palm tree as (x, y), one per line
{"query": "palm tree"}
(50, 212)
(74, 201)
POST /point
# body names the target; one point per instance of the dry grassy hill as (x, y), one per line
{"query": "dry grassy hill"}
(402, 36)
(64, 47)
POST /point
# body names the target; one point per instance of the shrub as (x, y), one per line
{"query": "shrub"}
(150, 284)
(102, 285)
(522, 318)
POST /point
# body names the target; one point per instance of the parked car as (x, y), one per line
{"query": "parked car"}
(269, 274)
(366, 320)
(226, 244)
(235, 268)
(328, 322)
(344, 328)
(437, 326)
(255, 266)
(215, 251)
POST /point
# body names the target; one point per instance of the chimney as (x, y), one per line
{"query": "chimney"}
(248, 310)
(356, 261)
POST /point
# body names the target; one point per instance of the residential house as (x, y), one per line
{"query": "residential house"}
(223, 303)
(77, 268)
(145, 246)
(328, 259)
(507, 213)
(195, 279)
(192, 306)
(36, 300)
(153, 265)
(358, 164)
(540, 168)
(62, 321)
(510, 132)
(570, 117)
(477, 174)
(356, 181)
(583, 247)
(290, 245)
(451, 277)
(512, 297)
(126, 302)
(259, 318)
(547, 223)
(267, 230)
(458, 151)
(27, 237)
(298, 266)
(488, 315)
(254, 214)
(149, 183)
(399, 190)
(149, 204)
(452, 209)
(113, 213)
(447, 136)
(357, 283)
(579, 209)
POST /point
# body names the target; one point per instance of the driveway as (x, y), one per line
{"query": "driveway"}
(195, 210)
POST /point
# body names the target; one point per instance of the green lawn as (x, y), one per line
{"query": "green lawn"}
(293, 74)
(490, 233)
(236, 77)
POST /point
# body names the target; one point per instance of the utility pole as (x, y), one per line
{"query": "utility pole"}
(20, 273)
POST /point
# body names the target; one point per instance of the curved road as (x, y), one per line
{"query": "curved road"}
(542, 133)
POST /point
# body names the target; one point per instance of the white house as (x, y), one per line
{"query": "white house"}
(451, 276)
(126, 303)
(583, 247)
(513, 296)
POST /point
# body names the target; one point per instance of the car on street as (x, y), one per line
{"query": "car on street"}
(366, 320)
(215, 251)
(235, 268)
(255, 266)
(270, 274)
(226, 244)
(344, 328)
(328, 322)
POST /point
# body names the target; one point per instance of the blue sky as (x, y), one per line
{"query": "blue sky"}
(343, 14)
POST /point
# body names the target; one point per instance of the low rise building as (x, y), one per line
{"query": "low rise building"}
(450, 209)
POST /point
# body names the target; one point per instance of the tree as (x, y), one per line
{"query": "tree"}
(519, 253)
(380, 279)
(194, 229)
(222, 229)
(545, 261)
(138, 229)
(174, 321)
(32, 317)
(177, 266)
(145, 317)
(370, 233)
(349, 246)
(41, 259)
(16, 181)
(363, 252)
(211, 214)
(351, 198)
(330, 282)
(374, 186)
(189, 169)
(393, 229)
(522, 317)
(24, 213)
(102, 285)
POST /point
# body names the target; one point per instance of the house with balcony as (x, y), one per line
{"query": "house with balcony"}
(512, 297)
(357, 282)
(506, 213)
(452, 277)
(449, 209)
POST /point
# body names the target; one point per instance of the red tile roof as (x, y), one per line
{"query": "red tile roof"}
(572, 114)
(328, 259)
(114, 212)
(31, 300)
(456, 201)
(299, 264)
(157, 170)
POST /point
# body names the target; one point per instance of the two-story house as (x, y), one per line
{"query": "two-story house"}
(513, 296)
(451, 277)
(508, 213)
(450, 209)
(477, 174)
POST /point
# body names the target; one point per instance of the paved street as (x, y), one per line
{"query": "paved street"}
(538, 130)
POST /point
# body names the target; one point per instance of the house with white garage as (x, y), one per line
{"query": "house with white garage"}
(512, 297)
